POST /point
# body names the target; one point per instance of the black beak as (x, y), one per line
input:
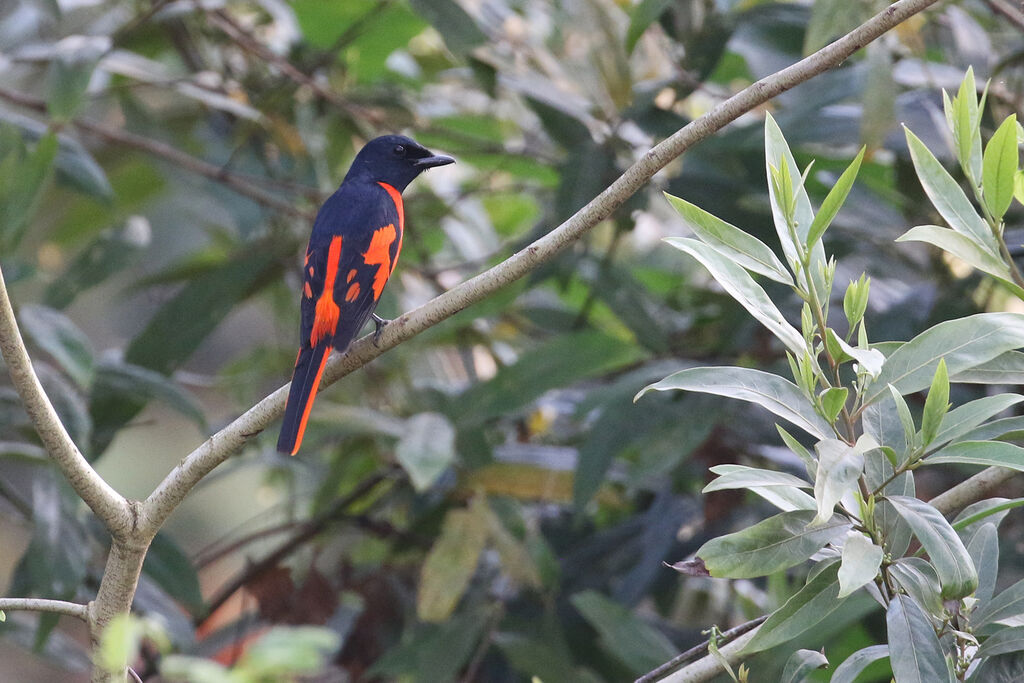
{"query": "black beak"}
(432, 161)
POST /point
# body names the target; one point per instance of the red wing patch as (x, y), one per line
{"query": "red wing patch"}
(396, 197)
(379, 254)
(326, 320)
(353, 292)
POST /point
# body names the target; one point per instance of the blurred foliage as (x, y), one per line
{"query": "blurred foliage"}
(528, 536)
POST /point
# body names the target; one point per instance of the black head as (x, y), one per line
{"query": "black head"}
(395, 160)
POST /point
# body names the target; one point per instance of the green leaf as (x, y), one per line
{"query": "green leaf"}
(983, 547)
(440, 649)
(856, 663)
(54, 332)
(936, 405)
(1008, 605)
(914, 649)
(740, 247)
(964, 343)
(809, 607)
(918, 579)
(964, 247)
(137, 384)
(450, 564)
(1006, 368)
(1018, 186)
(878, 97)
(195, 670)
(24, 176)
(952, 563)
(426, 448)
(286, 651)
(742, 287)
(965, 120)
(785, 498)
(777, 543)
(855, 300)
(986, 453)
(67, 81)
(108, 254)
(861, 560)
(741, 477)
(800, 664)
(832, 402)
(1002, 642)
(963, 419)
(172, 570)
(633, 642)
(565, 359)
(779, 156)
(119, 643)
(460, 32)
(839, 466)
(778, 395)
(947, 197)
(999, 166)
(645, 13)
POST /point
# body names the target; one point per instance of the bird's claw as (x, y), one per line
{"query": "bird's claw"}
(379, 324)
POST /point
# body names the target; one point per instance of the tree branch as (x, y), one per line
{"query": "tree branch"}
(164, 151)
(225, 443)
(110, 507)
(71, 609)
(971, 490)
(698, 650)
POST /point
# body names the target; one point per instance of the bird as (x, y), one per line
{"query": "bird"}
(353, 248)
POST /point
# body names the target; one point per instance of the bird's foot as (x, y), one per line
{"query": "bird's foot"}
(379, 323)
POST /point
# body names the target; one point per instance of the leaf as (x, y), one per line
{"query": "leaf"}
(807, 608)
(106, 255)
(983, 547)
(772, 545)
(440, 649)
(856, 663)
(936, 405)
(999, 166)
(963, 419)
(285, 651)
(952, 563)
(741, 247)
(778, 395)
(839, 466)
(878, 97)
(172, 570)
(1006, 368)
(741, 287)
(914, 650)
(450, 564)
(1008, 604)
(965, 121)
(861, 560)
(833, 400)
(986, 453)
(24, 177)
(426, 449)
(134, 383)
(965, 248)
(778, 154)
(645, 13)
(1002, 642)
(633, 642)
(460, 32)
(947, 197)
(918, 579)
(54, 332)
(834, 199)
(964, 343)
(800, 664)
(785, 498)
(741, 477)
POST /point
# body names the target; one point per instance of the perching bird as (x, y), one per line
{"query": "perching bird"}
(352, 251)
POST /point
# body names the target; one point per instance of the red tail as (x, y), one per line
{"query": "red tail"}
(305, 381)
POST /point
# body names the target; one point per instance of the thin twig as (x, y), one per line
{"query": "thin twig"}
(698, 650)
(71, 609)
(108, 505)
(190, 163)
(222, 445)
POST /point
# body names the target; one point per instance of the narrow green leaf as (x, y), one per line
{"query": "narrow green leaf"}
(633, 642)
(54, 332)
(778, 395)
(772, 545)
(839, 466)
(171, 569)
(914, 649)
(137, 384)
(1007, 605)
(983, 547)
(967, 126)
(785, 498)
(985, 453)
(645, 13)
(952, 563)
(999, 167)
(742, 287)
(741, 477)
(964, 247)
(1002, 642)
(810, 606)
(963, 419)
(947, 197)
(936, 405)
(779, 156)
(856, 663)
(861, 560)
(800, 664)
(1018, 186)
(457, 27)
(832, 402)
(426, 449)
(741, 247)
(964, 343)
(918, 579)
(450, 564)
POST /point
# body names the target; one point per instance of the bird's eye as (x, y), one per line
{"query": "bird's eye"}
(399, 151)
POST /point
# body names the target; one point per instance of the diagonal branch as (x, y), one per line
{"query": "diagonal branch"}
(116, 513)
(71, 609)
(230, 440)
